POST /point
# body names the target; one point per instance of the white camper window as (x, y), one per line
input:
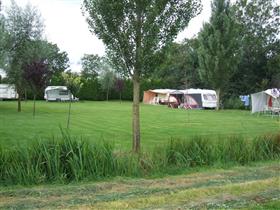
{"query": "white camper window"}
(209, 97)
(63, 92)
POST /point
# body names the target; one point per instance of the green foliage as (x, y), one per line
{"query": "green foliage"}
(219, 50)
(139, 28)
(177, 65)
(73, 82)
(90, 65)
(259, 66)
(23, 26)
(91, 90)
(233, 103)
(3, 40)
(72, 159)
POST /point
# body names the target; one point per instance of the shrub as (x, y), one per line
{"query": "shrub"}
(233, 103)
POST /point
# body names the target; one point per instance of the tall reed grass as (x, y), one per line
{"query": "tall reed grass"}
(73, 159)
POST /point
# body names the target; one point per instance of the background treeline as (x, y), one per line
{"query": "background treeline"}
(236, 53)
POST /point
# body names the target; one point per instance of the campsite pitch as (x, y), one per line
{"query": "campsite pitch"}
(111, 121)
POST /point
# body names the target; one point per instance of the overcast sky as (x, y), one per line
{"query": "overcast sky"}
(66, 26)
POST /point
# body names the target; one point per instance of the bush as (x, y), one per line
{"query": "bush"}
(233, 103)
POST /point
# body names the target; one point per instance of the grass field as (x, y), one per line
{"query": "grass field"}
(111, 121)
(253, 187)
(213, 186)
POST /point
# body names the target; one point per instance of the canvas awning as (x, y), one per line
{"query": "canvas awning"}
(260, 100)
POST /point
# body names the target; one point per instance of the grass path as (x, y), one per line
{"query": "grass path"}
(112, 121)
(254, 187)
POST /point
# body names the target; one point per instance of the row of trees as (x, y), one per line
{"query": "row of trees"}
(236, 53)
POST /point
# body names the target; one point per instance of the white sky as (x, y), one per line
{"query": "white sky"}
(66, 26)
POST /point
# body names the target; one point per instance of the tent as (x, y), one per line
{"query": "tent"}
(268, 100)
(57, 93)
(157, 96)
(8, 91)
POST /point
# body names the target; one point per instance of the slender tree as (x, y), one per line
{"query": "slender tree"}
(23, 25)
(219, 50)
(119, 86)
(133, 30)
(36, 74)
(107, 76)
(42, 60)
(73, 83)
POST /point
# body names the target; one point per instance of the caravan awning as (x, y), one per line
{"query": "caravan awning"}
(275, 93)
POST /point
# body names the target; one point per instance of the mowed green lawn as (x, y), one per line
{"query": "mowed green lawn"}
(111, 121)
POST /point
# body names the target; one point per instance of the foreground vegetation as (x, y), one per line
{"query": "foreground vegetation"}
(253, 187)
(35, 151)
(69, 159)
(111, 121)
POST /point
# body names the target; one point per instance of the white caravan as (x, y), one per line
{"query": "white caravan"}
(8, 91)
(57, 93)
(200, 98)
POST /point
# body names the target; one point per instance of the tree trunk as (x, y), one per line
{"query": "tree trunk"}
(120, 97)
(136, 80)
(135, 116)
(107, 96)
(25, 94)
(19, 103)
(69, 113)
(34, 102)
(218, 91)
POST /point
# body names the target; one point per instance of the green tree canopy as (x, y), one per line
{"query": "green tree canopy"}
(23, 26)
(260, 22)
(219, 50)
(90, 65)
(177, 64)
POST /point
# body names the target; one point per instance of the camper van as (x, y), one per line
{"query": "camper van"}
(8, 91)
(57, 93)
(200, 98)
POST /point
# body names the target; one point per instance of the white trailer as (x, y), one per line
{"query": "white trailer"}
(8, 91)
(200, 98)
(57, 93)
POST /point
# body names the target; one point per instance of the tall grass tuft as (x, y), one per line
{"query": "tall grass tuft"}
(73, 159)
